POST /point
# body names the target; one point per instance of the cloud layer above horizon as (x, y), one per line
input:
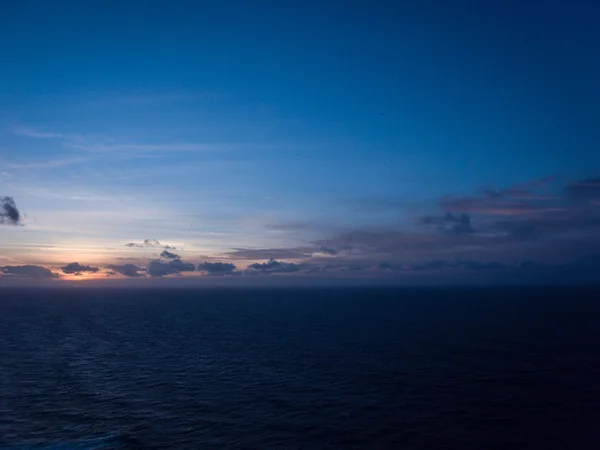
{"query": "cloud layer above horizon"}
(454, 151)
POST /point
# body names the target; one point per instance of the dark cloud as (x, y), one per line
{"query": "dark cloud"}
(478, 265)
(538, 219)
(9, 214)
(268, 253)
(528, 198)
(355, 267)
(451, 223)
(158, 268)
(28, 271)
(216, 267)
(328, 251)
(383, 265)
(274, 266)
(129, 270)
(585, 192)
(150, 243)
(458, 264)
(77, 268)
(430, 265)
(168, 255)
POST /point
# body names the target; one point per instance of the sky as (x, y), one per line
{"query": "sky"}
(417, 142)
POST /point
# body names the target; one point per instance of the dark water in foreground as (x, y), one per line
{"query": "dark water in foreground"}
(357, 368)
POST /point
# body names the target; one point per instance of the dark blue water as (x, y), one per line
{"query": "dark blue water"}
(357, 368)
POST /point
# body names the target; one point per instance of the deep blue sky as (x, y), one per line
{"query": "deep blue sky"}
(217, 126)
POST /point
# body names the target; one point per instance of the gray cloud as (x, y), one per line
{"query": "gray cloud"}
(28, 271)
(77, 268)
(273, 266)
(216, 267)
(168, 255)
(268, 253)
(129, 270)
(451, 223)
(158, 268)
(9, 214)
(383, 265)
(328, 251)
(149, 243)
(355, 267)
(464, 264)
(584, 192)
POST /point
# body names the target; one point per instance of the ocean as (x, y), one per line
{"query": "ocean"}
(364, 368)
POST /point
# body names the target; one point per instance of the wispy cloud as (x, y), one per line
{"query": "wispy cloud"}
(45, 164)
(36, 134)
(128, 149)
(153, 148)
(268, 253)
(144, 99)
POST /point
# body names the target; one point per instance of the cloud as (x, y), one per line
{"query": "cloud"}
(355, 267)
(168, 255)
(512, 201)
(458, 264)
(9, 214)
(584, 192)
(451, 223)
(89, 144)
(384, 265)
(328, 251)
(150, 243)
(216, 267)
(158, 268)
(268, 253)
(28, 271)
(274, 266)
(31, 133)
(77, 268)
(129, 270)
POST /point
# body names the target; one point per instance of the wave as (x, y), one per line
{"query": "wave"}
(88, 443)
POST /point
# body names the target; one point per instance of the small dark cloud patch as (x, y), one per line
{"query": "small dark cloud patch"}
(478, 265)
(355, 267)
(274, 266)
(268, 253)
(459, 264)
(129, 270)
(149, 243)
(28, 271)
(451, 223)
(9, 214)
(77, 269)
(158, 268)
(168, 255)
(328, 251)
(430, 265)
(216, 267)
